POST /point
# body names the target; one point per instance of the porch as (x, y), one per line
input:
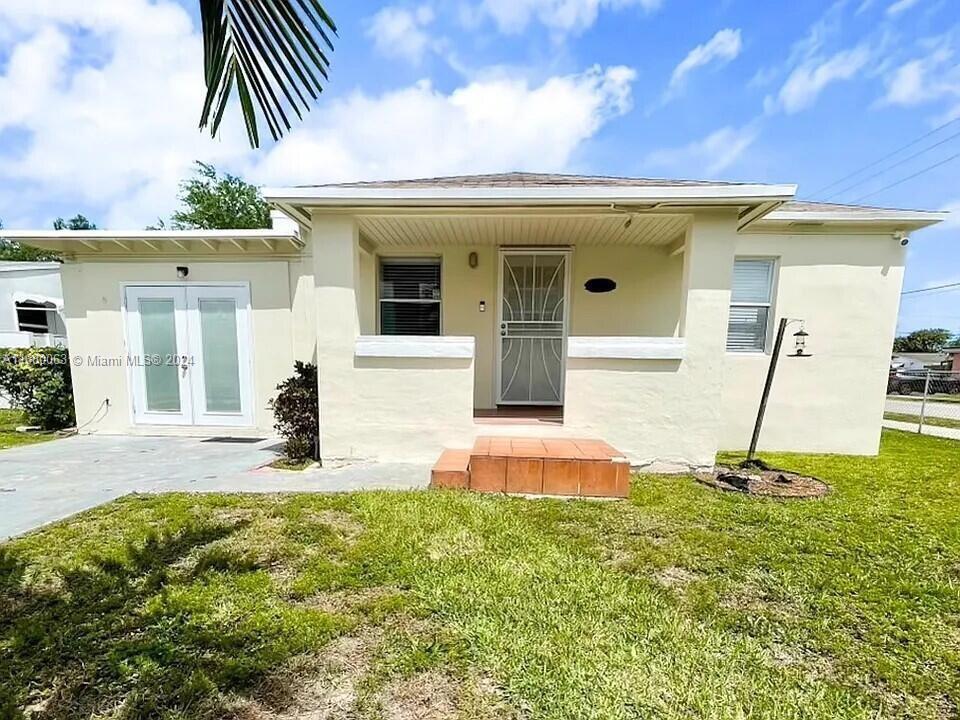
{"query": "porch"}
(437, 327)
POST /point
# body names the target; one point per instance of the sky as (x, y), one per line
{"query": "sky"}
(99, 103)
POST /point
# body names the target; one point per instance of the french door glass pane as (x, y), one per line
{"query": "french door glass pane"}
(221, 358)
(159, 346)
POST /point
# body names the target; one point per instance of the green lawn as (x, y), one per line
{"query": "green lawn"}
(929, 420)
(9, 437)
(681, 603)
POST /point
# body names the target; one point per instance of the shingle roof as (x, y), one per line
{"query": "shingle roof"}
(809, 206)
(523, 179)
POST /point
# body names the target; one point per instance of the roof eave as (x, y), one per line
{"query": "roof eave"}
(732, 195)
(895, 220)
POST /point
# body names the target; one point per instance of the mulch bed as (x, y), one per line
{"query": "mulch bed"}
(757, 478)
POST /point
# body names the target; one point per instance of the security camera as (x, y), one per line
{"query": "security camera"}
(903, 238)
(904, 241)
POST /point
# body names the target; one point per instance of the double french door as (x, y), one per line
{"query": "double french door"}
(533, 327)
(189, 354)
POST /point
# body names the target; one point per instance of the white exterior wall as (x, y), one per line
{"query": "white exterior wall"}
(847, 289)
(386, 407)
(95, 324)
(666, 413)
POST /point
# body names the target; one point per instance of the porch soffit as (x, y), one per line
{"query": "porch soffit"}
(609, 229)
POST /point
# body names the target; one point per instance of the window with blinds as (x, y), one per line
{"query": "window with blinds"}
(409, 295)
(750, 305)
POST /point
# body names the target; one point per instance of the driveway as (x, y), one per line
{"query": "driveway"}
(50, 481)
(934, 408)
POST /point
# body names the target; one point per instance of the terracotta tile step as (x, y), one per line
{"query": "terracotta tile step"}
(452, 470)
(534, 466)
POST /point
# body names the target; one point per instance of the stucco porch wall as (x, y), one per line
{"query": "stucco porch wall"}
(646, 302)
(847, 289)
(661, 413)
(95, 326)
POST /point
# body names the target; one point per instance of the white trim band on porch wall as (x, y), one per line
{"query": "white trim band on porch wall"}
(414, 346)
(627, 348)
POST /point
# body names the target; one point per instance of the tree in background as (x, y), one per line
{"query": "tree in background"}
(15, 252)
(928, 340)
(219, 202)
(77, 222)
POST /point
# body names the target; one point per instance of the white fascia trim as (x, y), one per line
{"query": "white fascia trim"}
(699, 194)
(414, 346)
(627, 348)
(147, 235)
(14, 266)
(861, 217)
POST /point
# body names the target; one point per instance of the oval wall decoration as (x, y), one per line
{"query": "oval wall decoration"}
(600, 285)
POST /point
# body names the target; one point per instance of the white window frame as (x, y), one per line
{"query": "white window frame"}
(771, 295)
(409, 260)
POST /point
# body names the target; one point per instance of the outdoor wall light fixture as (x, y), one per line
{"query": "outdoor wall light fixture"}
(473, 260)
(182, 271)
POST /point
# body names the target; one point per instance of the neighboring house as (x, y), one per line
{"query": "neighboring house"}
(642, 310)
(31, 303)
(919, 361)
(953, 353)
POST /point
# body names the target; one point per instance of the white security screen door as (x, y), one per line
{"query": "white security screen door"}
(189, 347)
(533, 326)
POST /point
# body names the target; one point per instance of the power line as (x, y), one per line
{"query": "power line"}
(931, 289)
(887, 169)
(908, 177)
(886, 157)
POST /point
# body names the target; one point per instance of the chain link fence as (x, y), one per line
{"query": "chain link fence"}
(924, 401)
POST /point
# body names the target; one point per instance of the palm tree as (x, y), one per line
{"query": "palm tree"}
(271, 50)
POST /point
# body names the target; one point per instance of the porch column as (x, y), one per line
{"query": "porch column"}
(336, 240)
(707, 277)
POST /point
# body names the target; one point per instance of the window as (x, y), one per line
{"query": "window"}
(33, 317)
(750, 305)
(409, 296)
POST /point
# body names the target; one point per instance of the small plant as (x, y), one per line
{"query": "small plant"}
(297, 412)
(37, 381)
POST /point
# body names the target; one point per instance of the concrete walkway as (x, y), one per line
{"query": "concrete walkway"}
(934, 430)
(50, 481)
(934, 408)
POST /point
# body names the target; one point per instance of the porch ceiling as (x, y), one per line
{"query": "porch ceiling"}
(547, 229)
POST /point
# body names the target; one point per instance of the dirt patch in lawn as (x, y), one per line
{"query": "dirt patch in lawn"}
(764, 481)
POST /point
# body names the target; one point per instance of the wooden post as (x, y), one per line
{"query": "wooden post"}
(774, 357)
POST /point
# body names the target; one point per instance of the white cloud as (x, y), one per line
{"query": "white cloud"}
(900, 6)
(723, 47)
(119, 134)
(115, 138)
(953, 220)
(710, 155)
(924, 79)
(399, 32)
(807, 81)
(484, 126)
(560, 16)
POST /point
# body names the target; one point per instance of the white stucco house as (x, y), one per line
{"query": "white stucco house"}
(31, 305)
(637, 311)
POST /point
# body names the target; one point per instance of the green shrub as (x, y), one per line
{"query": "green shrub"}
(37, 380)
(297, 412)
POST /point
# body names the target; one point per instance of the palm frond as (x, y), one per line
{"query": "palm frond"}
(272, 51)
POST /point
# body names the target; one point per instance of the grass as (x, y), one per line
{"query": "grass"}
(928, 420)
(284, 463)
(9, 437)
(679, 603)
